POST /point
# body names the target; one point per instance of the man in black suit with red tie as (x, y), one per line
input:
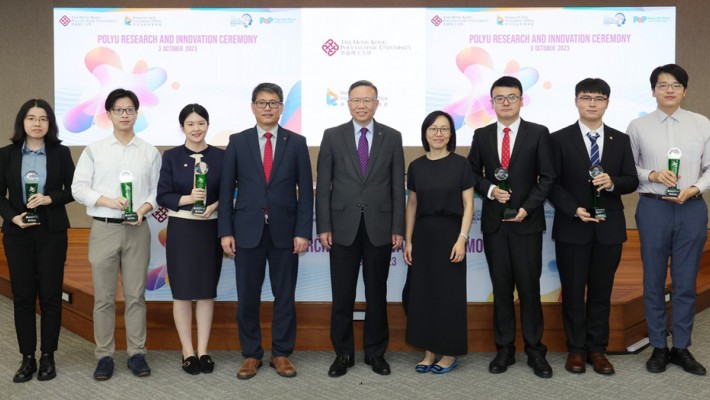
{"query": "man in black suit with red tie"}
(272, 220)
(587, 245)
(513, 246)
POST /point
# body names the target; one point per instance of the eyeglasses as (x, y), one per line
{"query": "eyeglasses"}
(366, 101)
(512, 99)
(32, 119)
(264, 103)
(589, 99)
(120, 111)
(443, 130)
(665, 86)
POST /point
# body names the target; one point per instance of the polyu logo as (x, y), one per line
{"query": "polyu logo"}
(436, 20)
(330, 47)
(64, 20)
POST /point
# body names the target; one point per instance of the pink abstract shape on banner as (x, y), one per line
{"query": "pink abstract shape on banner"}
(157, 278)
(105, 65)
(475, 110)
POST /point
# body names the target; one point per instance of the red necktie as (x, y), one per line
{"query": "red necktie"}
(505, 149)
(268, 156)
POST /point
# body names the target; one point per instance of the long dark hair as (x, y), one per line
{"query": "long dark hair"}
(52, 136)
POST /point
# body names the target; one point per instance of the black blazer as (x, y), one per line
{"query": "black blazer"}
(572, 188)
(60, 172)
(290, 210)
(531, 175)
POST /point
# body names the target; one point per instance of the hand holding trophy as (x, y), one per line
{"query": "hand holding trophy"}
(126, 178)
(31, 188)
(201, 169)
(597, 211)
(501, 175)
(674, 155)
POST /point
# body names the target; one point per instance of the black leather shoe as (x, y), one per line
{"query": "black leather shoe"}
(27, 369)
(340, 365)
(540, 365)
(658, 361)
(47, 369)
(191, 365)
(503, 359)
(379, 364)
(683, 358)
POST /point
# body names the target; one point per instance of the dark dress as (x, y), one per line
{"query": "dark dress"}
(192, 249)
(436, 295)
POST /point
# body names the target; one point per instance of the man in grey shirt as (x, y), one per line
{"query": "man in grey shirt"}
(671, 226)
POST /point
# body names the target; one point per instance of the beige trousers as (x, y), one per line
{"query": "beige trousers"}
(115, 248)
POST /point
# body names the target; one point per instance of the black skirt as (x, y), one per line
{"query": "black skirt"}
(194, 256)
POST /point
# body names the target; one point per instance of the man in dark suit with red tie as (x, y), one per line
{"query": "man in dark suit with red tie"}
(272, 220)
(360, 216)
(513, 246)
(588, 246)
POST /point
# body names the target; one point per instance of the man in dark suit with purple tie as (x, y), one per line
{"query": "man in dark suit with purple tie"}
(588, 247)
(513, 245)
(272, 220)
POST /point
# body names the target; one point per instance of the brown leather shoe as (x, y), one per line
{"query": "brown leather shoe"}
(283, 366)
(601, 363)
(575, 363)
(248, 369)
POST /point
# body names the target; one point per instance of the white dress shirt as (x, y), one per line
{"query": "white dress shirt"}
(101, 163)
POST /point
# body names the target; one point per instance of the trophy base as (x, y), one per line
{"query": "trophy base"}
(130, 217)
(598, 213)
(198, 209)
(672, 192)
(509, 213)
(30, 218)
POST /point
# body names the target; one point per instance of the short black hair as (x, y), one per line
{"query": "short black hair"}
(509, 82)
(193, 108)
(363, 83)
(52, 136)
(429, 120)
(592, 85)
(119, 94)
(268, 88)
(673, 69)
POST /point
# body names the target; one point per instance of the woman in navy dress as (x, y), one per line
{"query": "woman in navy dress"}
(36, 251)
(438, 216)
(193, 252)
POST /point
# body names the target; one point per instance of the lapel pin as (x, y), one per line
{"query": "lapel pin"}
(611, 138)
(185, 165)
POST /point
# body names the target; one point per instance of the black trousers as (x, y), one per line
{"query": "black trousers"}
(36, 263)
(283, 272)
(515, 261)
(344, 270)
(587, 267)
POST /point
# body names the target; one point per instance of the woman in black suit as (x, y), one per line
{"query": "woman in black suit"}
(36, 251)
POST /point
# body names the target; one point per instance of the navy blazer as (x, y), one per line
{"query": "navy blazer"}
(572, 188)
(60, 173)
(531, 175)
(288, 196)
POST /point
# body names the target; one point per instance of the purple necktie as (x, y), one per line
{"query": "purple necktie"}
(362, 150)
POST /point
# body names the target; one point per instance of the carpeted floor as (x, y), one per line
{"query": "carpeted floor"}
(471, 380)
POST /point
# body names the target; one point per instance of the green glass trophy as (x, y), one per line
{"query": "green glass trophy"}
(597, 211)
(501, 175)
(31, 188)
(674, 166)
(126, 178)
(200, 183)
